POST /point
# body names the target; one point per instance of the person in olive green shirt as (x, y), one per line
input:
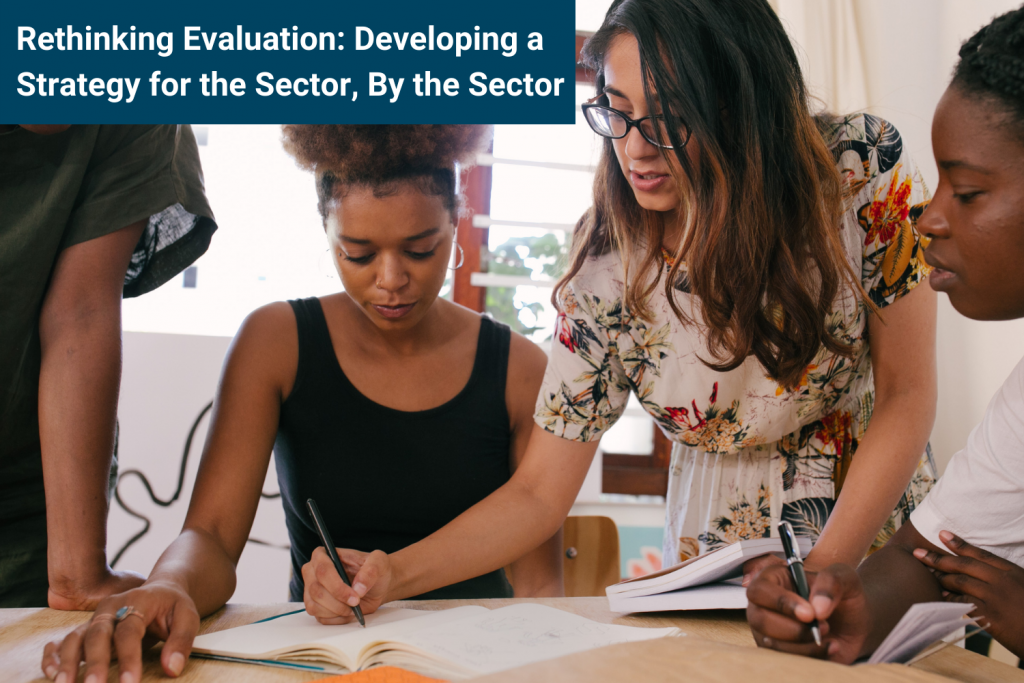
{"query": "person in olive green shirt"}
(87, 214)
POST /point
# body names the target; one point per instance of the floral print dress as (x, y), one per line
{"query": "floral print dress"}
(747, 452)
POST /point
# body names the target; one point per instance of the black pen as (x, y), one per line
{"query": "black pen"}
(796, 570)
(325, 536)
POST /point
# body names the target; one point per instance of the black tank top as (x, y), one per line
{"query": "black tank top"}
(384, 478)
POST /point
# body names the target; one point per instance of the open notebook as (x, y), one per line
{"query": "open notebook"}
(921, 632)
(709, 581)
(454, 643)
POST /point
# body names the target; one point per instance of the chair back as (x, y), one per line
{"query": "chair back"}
(591, 555)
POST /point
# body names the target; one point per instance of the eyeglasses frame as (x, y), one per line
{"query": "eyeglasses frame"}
(630, 124)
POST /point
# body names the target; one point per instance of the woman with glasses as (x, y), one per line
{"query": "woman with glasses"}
(731, 275)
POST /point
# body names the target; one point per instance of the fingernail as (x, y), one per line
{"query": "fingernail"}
(833, 647)
(91, 678)
(945, 594)
(804, 612)
(127, 677)
(352, 601)
(176, 663)
(50, 671)
(767, 641)
(746, 580)
(62, 677)
(946, 536)
(919, 553)
(359, 588)
(820, 603)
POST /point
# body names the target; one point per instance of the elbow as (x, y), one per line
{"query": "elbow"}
(550, 509)
(75, 317)
(914, 405)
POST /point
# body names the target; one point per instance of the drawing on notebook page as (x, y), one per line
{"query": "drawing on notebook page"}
(499, 624)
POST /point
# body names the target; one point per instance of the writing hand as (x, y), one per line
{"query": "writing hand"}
(995, 586)
(780, 619)
(160, 612)
(329, 599)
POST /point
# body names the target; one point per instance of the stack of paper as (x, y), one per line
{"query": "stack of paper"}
(709, 581)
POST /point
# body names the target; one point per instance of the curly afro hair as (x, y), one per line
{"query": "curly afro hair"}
(992, 63)
(384, 156)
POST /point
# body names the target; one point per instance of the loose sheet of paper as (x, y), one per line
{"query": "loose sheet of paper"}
(521, 634)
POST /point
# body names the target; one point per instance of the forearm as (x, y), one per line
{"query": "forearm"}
(503, 527)
(893, 581)
(78, 388)
(881, 470)
(198, 564)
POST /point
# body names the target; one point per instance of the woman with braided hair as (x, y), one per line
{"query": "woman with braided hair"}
(396, 410)
(965, 542)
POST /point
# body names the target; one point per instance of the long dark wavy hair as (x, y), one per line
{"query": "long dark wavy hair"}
(761, 218)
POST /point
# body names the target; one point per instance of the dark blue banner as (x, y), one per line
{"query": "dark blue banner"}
(300, 62)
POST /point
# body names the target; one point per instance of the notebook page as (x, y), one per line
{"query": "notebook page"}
(917, 618)
(520, 634)
(272, 638)
(922, 625)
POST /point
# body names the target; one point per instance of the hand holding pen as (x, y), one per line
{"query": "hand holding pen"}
(796, 570)
(325, 537)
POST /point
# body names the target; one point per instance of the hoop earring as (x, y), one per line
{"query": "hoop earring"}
(462, 257)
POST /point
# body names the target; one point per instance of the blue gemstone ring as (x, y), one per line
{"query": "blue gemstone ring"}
(126, 612)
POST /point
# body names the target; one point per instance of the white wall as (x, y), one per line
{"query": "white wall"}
(909, 48)
(166, 381)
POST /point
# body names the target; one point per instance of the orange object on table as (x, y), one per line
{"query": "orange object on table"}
(381, 674)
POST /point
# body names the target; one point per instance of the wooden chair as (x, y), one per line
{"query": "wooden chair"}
(591, 547)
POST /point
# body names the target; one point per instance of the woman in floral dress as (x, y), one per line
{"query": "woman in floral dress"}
(770, 310)
(737, 359)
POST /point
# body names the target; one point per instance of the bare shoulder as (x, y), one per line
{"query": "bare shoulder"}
(267, 345)
(526, 360)
(526, 365)
(270, 324)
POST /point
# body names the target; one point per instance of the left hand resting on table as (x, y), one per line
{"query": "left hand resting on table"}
(995, 586)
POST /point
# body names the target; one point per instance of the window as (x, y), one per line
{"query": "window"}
(270, 245)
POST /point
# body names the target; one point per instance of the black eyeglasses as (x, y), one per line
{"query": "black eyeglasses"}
(612, 123)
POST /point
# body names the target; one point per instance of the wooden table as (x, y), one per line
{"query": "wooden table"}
(717, 647)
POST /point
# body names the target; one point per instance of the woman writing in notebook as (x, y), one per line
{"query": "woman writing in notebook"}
(751, 274)
(394, 409)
